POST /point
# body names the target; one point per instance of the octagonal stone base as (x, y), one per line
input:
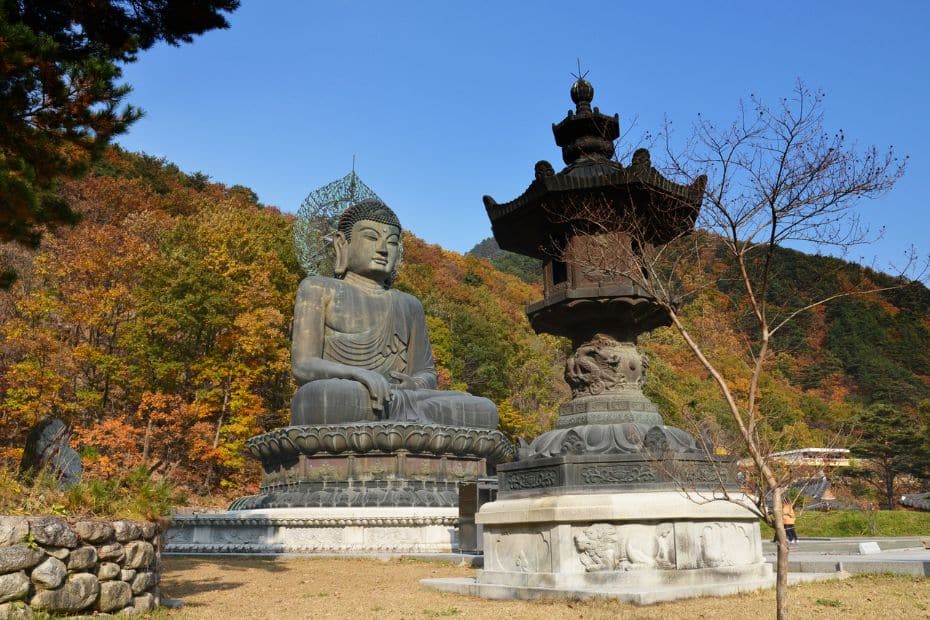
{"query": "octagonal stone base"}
(641, 547)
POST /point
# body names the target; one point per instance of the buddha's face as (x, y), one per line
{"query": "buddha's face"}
(373, 250)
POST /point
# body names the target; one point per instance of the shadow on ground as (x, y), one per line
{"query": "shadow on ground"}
(176, 582)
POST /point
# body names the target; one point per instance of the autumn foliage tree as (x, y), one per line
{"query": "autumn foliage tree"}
(157, 328)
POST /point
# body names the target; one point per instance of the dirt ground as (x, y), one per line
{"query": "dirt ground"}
(234, 588)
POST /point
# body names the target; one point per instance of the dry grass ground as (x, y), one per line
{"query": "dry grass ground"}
(234, 588)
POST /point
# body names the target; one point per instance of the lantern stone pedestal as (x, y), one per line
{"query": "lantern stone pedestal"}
(643, 548)
(641, 527)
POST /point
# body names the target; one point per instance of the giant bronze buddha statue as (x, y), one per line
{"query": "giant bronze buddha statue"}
(361, 350)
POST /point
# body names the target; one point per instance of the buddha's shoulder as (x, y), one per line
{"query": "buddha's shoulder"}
(318, 284)
(406, 299)
(321, 285)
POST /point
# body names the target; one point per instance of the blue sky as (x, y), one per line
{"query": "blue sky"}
(443, 102)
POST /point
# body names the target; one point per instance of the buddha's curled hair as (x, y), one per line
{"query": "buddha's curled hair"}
(371, 209)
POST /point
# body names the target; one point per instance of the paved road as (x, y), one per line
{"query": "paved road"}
(901, 555)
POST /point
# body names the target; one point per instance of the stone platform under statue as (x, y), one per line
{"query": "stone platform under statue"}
(360, 488)
(336, 530)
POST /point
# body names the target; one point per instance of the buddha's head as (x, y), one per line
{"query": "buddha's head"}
(368, 242)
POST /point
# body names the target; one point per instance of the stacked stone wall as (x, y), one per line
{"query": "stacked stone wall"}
(49, 564)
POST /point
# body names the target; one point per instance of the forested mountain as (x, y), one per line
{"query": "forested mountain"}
(158, 327)
(526, 268)
(855, 350)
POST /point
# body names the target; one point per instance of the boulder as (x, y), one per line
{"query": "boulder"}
(113, 552)
(107, 571)
(13, 530)
(127, 575)
(82, 559)
(16, 610)
(52, 531)
(94, 531)
(49, 574)
(13, 586)
(144, 602)
(47, 449)
(139, 554)
(19, 557)
(144, 581)
(58, 552)
(149, 530)
(125, 531)
(114, 595)
(78, 592)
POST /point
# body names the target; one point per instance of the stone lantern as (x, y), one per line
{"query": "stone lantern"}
(579, 217)
(612, 502)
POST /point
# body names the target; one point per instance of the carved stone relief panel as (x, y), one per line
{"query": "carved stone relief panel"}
(179, 535)
(518, 551)
(387, 536)
(316, 537)
(604, 365)
(727, 544)
(609, 547)
(241, 535)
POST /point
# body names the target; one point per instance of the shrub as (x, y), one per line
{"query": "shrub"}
(134, 495)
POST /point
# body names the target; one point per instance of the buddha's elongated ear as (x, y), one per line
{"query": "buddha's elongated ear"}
(341, 245)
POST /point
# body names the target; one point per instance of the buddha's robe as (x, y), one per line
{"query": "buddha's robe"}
(356, 323)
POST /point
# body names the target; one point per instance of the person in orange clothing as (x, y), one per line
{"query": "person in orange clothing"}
(787, 511)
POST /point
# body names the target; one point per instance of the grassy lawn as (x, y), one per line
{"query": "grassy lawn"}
(843, 523)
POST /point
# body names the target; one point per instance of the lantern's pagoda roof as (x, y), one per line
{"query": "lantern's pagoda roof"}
(557, 204)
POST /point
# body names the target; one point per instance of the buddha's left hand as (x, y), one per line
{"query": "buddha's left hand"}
(403, 381)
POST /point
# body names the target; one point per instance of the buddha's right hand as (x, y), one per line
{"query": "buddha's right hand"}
(378, 387)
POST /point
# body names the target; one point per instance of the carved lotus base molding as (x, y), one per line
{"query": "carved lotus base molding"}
(640, 547)
(656, 440)
(315, 530)
(287, 443)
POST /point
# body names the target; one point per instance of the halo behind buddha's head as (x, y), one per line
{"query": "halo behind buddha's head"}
(372, 210)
